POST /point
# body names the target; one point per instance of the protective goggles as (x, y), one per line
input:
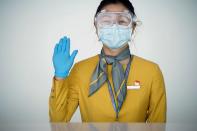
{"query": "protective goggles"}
(108, 19)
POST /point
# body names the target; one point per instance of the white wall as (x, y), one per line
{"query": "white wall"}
(30, 29)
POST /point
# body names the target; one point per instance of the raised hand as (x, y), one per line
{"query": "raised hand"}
(62, 60)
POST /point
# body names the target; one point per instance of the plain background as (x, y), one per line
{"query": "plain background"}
(29, 29)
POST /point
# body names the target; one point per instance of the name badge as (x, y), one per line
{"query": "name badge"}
(135, 86)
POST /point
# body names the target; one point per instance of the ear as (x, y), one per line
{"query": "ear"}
(96, 28)
(133, 26)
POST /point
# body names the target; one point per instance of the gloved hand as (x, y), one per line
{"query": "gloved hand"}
(62, 60)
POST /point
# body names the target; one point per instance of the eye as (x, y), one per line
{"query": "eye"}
(121, 21)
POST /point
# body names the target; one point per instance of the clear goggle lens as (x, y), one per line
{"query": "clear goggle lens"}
(108, 19)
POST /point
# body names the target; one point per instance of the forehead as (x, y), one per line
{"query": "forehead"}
(114, 7)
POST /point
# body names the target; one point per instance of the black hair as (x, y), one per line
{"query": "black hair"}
(126, 3)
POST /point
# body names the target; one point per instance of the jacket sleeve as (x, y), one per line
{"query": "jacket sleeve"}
(63, 99)
(157, 106)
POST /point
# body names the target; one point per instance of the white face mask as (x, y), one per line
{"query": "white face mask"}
(115, 36)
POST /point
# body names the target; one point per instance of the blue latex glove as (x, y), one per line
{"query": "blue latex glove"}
(62, 60)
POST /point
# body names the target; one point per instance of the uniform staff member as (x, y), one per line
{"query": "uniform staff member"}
(114, 85)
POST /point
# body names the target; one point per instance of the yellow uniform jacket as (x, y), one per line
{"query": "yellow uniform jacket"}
(145, 100)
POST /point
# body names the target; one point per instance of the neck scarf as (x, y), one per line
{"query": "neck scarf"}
(119, 77)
